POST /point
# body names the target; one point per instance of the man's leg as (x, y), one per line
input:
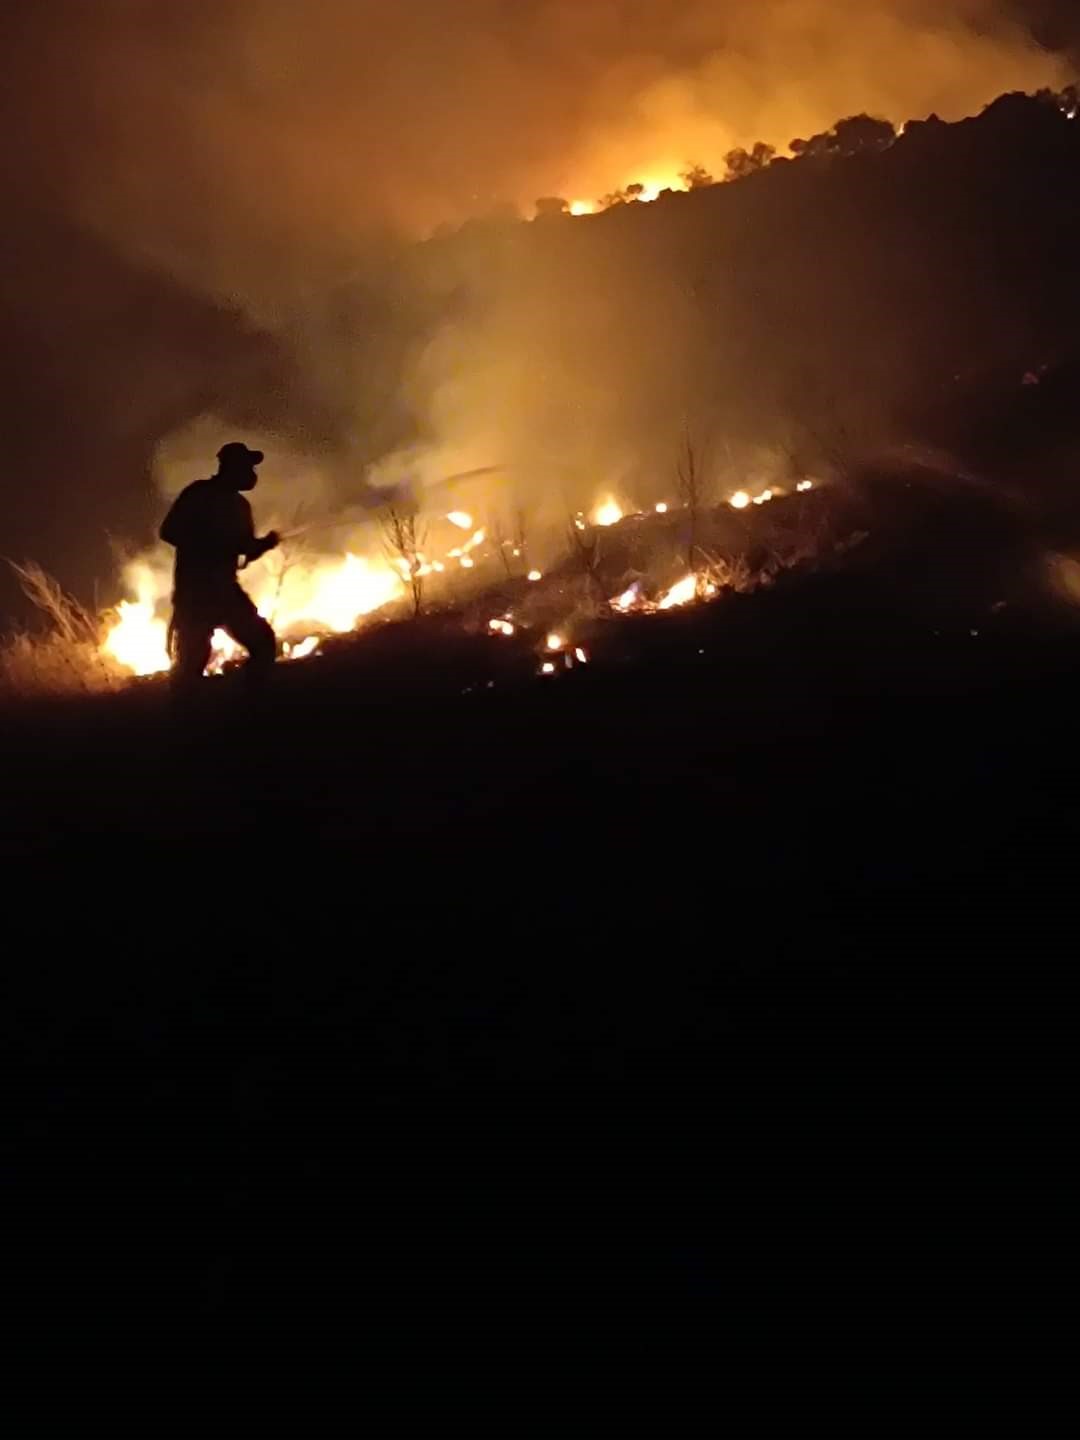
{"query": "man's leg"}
(192, 643)
(249, 629)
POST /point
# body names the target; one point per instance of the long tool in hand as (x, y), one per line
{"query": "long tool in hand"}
(340, 523)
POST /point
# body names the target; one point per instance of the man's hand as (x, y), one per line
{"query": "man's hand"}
(270, 541)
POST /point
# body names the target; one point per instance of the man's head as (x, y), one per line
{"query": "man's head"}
(236, 465)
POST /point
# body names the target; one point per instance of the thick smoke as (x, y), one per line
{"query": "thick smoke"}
(279, 159)
(239, 141)
(775, 72)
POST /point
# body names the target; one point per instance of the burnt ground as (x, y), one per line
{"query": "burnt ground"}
(718, 990)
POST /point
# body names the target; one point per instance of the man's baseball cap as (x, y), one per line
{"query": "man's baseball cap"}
(237, 453)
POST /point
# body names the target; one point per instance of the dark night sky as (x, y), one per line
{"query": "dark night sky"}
(179, 178)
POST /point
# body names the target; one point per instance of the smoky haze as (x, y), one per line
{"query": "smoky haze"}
(234, 140)
(217, 207)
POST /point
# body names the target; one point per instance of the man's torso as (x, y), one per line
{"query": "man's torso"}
(212, 522)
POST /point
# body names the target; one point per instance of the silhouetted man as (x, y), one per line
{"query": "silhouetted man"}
(211, 528)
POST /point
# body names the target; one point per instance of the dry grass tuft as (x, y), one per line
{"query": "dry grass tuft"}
(63, 657)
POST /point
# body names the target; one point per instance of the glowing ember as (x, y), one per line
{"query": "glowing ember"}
(661, 509)
(804, 485)
(763, 498)
(461, 552)
(462, 520)
(304, 649)
(547, 668)
(582, 658)
(608, 512)
(501, 627)
(555, 641)
(535, 575)
(680, 594)
(740, 500)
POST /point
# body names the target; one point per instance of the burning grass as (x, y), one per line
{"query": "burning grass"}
(637, 567)
(616, 561)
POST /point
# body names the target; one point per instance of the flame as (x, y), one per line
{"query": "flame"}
(608, 512)
(332, 595)
(139, 639)
(628, 599)
(654, 188)
(461, 519)
(501, 627)
(346, 592)
(547, 668)
(534, 576)
(680, 594)
(223, 649)
(648, 190)
(740, 500)
(804, 485)
(661, 509)
(555, 641)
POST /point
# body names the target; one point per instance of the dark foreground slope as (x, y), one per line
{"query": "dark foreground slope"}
(721, 984)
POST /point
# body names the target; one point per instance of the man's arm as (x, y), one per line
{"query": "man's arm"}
(172, 527)
(257, 547)
(249, 545)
